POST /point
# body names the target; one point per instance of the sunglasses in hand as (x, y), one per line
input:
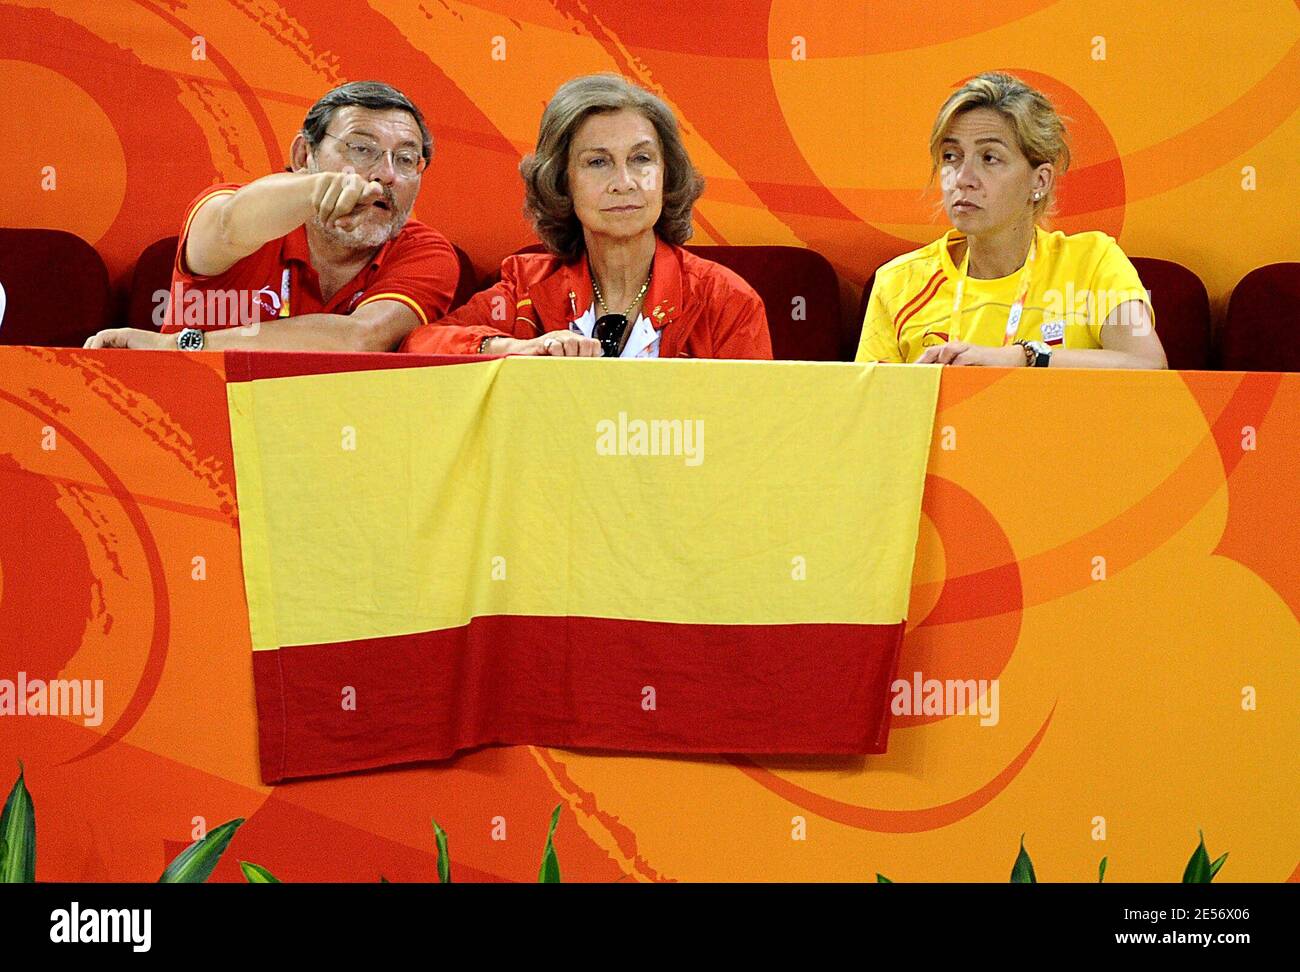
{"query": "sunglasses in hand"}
(609, 332)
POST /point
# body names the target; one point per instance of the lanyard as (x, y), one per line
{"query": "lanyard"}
(284, 293)
(1017, 309)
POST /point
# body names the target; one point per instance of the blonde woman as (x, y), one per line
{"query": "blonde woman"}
(998, 289)
(609, 191)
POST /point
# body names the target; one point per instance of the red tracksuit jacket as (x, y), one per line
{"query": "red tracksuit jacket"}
(700, 308)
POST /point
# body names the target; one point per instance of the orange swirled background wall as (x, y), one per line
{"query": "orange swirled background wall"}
(1121, 725)
(809, 118)
(1120, 699)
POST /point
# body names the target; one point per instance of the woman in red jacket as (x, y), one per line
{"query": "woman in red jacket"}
(609, 191)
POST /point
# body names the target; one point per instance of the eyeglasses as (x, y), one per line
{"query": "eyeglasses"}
(363, 155)
(609, 332)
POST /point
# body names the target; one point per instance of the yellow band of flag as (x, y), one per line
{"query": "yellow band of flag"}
(385, 503)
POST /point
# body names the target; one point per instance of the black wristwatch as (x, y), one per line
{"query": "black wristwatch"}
(190, 339)
(1037, 354)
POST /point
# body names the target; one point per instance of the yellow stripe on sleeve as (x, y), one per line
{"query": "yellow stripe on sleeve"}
(203, 201)
(408, 301)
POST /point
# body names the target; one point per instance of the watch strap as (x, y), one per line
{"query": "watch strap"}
(1037, 354)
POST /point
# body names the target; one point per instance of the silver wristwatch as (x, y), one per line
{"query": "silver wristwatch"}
(190, 339)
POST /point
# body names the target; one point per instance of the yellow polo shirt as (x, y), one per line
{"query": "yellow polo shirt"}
(1075, 284)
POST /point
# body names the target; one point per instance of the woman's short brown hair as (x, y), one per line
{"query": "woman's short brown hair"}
(1040, 131)
(547, 203)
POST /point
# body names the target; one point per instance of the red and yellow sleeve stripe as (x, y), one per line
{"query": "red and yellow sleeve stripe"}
(410, 302)
(189, 220)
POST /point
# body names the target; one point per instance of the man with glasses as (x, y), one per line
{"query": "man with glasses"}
(322, 256)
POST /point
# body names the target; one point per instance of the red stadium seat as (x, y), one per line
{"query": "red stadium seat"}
(467, 285)
(153, 273)
(56, 288)
(1182, 310)
(779, 274)
(1262, 329)
(493, 276)
(862, 316)
(800, 292)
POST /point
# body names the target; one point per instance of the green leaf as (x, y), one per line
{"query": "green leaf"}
(195, 863)
(1022, 872)
(550, 871)
(1214, 868)
(444, 859)
(1101, 870)
(1198, 867)
(256, 874)
(881, 879)
(18, 835)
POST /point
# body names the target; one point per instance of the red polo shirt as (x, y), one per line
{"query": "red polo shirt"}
(418, 268)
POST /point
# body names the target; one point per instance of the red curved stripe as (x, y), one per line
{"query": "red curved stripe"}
(48, 593)
(1251, 400)
(157, 655)
(892, 821)
(155, 193)
(237, 82)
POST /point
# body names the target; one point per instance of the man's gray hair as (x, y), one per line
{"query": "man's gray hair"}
(375, 95)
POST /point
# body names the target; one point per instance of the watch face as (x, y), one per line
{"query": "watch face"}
(190, 340)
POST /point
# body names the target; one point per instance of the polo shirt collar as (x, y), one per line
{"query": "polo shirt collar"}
(952, 271)
(295, 247)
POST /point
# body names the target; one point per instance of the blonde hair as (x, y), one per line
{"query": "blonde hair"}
(547, 202)
(1040, 131)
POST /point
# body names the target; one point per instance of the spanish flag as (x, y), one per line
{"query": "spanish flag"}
(645, 556)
